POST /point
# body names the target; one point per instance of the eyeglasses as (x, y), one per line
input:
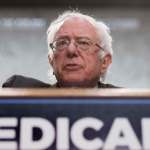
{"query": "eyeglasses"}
(83, 44)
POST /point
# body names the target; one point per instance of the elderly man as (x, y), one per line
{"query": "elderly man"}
(80, 52)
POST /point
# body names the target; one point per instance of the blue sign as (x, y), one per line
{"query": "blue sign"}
(73, 123)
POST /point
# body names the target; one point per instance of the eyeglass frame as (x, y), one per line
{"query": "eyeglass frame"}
(76, 44)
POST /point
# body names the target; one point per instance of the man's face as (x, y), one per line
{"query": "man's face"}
(73, 66)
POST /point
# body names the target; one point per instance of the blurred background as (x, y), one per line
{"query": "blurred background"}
(23, 47)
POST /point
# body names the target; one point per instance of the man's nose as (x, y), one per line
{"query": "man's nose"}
(72, 49)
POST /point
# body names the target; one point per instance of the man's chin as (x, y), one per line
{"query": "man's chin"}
(72, 82)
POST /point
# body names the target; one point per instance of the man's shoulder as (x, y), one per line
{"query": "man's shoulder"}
(19, 81)
(103, 85)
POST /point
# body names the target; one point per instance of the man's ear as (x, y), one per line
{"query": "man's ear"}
(50, 59)
(105, 62)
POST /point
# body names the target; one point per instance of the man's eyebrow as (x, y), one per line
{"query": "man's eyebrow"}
(62, 37)
(67, 37)
(83, 37)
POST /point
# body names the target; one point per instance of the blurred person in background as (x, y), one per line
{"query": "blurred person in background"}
(80, 53)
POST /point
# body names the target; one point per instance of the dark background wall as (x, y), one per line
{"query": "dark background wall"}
(23, 47)
(73, 3)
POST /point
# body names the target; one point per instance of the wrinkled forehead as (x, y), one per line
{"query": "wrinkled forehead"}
(77, 27)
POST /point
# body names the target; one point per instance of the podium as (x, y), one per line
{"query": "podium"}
(74, 119)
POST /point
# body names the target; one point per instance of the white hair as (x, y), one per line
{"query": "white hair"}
(102, 30)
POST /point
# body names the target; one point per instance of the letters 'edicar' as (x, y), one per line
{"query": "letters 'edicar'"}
(121, 133)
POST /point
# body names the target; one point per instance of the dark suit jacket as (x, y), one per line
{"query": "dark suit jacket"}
(18, 81)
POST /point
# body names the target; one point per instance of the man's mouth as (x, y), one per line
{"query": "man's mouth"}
(72, 67)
